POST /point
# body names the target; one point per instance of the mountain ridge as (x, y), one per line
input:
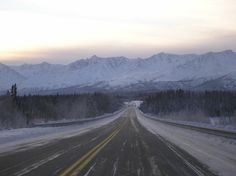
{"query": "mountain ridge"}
(160, 71)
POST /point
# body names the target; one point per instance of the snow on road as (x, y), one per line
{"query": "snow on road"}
(25, 138)
(217, 152)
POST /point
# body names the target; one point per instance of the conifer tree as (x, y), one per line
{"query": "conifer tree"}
(13, 92)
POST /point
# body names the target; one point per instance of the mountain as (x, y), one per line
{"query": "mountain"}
(8, 77)
(161, 71)
(227, 82)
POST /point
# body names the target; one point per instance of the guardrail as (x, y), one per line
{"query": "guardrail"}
(217, 132)
(77, 122)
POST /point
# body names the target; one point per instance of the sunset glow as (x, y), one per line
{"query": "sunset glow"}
(72, 29)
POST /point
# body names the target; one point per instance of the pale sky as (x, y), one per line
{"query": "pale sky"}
(61, 31)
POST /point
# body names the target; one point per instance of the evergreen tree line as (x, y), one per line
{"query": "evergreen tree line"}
(19, 111)
(211, 103)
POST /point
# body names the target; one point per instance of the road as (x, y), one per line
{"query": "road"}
(120, 148)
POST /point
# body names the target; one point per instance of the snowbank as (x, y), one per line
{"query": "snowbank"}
(218, 153)
(24, 138)
(216, 123)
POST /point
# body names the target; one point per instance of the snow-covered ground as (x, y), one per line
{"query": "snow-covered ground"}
(217, 152)
(65, 122)
(25, 138)
(135, 103)
(216, 123)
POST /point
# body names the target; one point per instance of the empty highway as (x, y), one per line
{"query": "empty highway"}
(123, 147)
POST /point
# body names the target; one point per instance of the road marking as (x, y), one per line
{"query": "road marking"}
(90, 169)
(77, 167)
(38, 164)
(197, 170)
(134, 125)
(115, 165)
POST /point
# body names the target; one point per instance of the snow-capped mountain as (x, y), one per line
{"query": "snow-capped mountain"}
(160, 71)
(8, 77)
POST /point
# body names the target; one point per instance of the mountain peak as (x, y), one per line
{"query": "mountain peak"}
(44, 64)
(121, 71)
(220, 52)
(5, 67)
(94, 57)
(228, 51)
(2, 64)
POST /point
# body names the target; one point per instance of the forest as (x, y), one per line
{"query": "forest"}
(22, 111)
(204, 103)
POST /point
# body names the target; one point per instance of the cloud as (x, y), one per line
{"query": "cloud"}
(64, 29)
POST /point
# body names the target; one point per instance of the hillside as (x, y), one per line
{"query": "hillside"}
(160, 71)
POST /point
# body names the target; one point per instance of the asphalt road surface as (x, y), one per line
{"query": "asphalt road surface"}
(120, 148)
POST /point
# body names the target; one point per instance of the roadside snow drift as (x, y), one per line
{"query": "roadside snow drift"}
(24, 138)
(218, 153)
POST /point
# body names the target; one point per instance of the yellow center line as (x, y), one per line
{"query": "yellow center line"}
(76, 168)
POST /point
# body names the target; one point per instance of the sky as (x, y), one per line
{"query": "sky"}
(61, 31)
